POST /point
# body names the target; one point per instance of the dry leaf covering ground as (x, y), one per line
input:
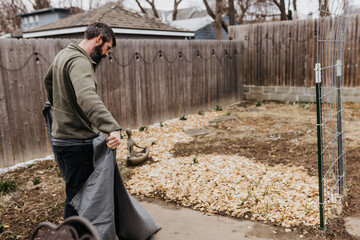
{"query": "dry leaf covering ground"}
(225, 183)
(262, 165)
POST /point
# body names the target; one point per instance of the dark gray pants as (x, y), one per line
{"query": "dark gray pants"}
(78, 166)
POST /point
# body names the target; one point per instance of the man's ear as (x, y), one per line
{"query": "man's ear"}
(99, 40)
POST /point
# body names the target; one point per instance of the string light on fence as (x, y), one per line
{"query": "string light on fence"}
(37, 60)
(137, 56)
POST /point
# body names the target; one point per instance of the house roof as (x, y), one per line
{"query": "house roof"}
(194, 24)
(112, 15)
(44, 10)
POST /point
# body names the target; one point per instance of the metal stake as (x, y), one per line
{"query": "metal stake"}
(319, 141)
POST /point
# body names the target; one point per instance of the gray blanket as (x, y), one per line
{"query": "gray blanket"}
(103, 199)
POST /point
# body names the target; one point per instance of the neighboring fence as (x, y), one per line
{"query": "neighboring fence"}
(283, 53)
(146, 81)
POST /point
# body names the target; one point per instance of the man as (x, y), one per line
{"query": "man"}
(79, 113)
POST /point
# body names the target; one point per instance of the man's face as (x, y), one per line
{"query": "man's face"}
(101, 51)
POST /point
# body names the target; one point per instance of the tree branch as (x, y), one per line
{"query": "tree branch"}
(152, 4)
(141, 8)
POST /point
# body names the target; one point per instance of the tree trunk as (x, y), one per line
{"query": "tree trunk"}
(283, 10)
(176, 5)
(323, 8)
(211, 14)
(218, 20)
(231, 12)
(281, 6)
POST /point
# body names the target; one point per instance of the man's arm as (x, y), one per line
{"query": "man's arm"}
(48, 84)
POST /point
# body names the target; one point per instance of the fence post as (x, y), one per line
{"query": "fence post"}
(339, 127)
(319, 142)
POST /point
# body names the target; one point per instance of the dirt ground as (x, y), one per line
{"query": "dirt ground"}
(271, 132)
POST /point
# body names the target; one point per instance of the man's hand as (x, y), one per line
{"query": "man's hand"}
(114, 140)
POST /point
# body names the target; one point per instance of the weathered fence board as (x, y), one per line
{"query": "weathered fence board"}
(139, 86)
(284, 53)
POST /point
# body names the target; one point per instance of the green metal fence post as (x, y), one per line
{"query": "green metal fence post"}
(319, 141)
(339, 128)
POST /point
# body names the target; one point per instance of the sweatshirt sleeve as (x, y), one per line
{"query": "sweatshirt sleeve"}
(48, 84)
(83, 80)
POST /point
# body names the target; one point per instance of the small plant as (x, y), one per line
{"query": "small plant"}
(218, 108)
(31, 165)
(7, 186)
(161, 124)
(201, 112)
(194, 161)
(228, 113)
(1, 227)
(153, 143)
(306, 105)
(183, 118)
(143, 129)
(36, 181)
(258, 104)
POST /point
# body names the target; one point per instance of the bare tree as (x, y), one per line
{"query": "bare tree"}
(152, 5)
(212, 14)
(218, 20)
(40, 4)
(140, 6)
(9, 8)
(79, 5)
(281, 5)
(176, 5)
(244, 6)
(231, 12)
(323, 7)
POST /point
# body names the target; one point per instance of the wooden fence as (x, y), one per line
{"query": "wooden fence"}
(146, 81)
(284, 53)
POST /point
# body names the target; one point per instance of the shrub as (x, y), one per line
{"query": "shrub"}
(7, 186)
(36, 181)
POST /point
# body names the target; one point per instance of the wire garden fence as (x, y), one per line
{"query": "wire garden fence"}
(331, 32)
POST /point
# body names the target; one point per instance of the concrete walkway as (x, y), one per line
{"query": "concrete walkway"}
(182, 223)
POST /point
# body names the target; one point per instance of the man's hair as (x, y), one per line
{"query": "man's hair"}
(98, 28)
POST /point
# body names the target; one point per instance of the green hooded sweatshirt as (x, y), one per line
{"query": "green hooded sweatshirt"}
(71, 87)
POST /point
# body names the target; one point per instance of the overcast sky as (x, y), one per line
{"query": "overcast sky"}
(304, 6)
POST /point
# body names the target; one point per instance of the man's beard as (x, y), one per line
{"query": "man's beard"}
(96, 55)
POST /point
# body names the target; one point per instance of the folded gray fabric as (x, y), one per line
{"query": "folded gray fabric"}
(104, 201)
